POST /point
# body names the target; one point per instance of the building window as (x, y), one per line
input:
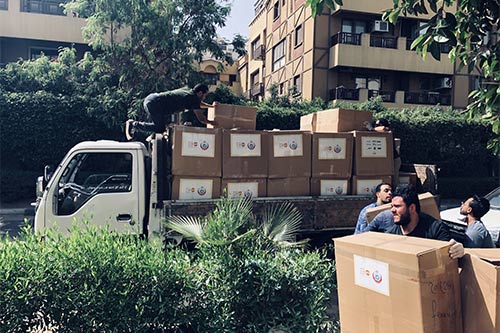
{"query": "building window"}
(297, 84)
(354, 26)
(254, 78)
(299, 35)
(210, 78)
(372, 83)
(51, 7)
(37, 52)
(279, 55)
(276, 10)
(281, 89)
(255, 45)
(4, 4)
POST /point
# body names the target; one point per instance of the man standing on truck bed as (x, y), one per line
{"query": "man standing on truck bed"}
(476, 234)
(383, 192)
(160, 106)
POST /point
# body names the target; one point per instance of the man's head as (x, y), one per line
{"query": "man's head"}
(382, 122)
(383, 192)
(475, 206)
(405, 204)
(201, 90)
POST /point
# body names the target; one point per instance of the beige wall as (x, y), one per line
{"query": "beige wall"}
(17, 24)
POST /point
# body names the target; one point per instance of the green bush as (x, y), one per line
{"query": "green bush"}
(96, 281)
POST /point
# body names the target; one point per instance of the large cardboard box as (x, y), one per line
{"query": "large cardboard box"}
(393, 284)
(365, 185)
(196, 151)
(230, 116)
(480, 282)
(244, 154)
(195, 188)
(428, 205)
(324, 186)
(288, 187)
(289, 154)
(336, 120)
(332, 154)
(373, 154)
(248, 188)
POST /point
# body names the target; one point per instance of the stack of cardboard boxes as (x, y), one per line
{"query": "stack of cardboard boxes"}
(330, 155)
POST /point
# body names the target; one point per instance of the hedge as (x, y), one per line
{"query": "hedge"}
(96, 281)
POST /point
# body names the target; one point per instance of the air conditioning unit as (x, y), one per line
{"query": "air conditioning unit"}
(381, 26)
(445, 82)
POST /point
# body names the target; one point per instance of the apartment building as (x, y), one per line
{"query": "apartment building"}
(216, 72)
(346, 54)
(29, 28)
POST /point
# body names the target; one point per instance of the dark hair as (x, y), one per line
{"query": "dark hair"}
(200, 87)
(382, 122)
(379, 186)
(409, 195)
(479, 206)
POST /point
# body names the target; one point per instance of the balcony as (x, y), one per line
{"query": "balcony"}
(259, 53)
(379, 52)
(391, 98)
(257, 89)
(445, 48)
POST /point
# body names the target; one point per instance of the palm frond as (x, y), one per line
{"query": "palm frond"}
(191, 227)
(282, 222)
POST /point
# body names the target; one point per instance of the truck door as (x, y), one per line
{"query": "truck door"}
(101, 187)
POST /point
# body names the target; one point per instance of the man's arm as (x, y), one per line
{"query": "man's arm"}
(204, 105)
(362, 221)
(201, 117)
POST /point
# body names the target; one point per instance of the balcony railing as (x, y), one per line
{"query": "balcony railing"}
(257, 89)
(383, 41)
(445, 48)
(259, 53)
(42, 6)
(345, 38)
(387, 96)
(344, 93)
(430, 98)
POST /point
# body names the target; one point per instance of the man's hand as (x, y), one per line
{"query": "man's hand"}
(215, 103)
(456, 250)
(213, 123)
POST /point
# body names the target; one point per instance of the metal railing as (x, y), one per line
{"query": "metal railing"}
(345, 38)
(51, 7)
(445, 48)
(344, 93)
(259, 53)
(387, 96)
(430, 98)
(257, 89)
(384, 41)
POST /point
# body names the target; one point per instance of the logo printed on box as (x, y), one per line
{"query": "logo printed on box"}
(246, 190)
(371, 274)
(198, 144)
(367, 186)
(245, 145)
(331, 148)
(195, 189)
(373, 146)
(288, 145)
(333, 187)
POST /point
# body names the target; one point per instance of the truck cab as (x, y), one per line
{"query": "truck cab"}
(101, 181)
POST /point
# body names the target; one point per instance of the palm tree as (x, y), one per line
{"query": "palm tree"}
(233, 220)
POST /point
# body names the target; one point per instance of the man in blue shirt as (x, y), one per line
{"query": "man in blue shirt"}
(476, 234)
(383, 192)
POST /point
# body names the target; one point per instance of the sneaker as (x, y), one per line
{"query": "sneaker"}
(130, 129)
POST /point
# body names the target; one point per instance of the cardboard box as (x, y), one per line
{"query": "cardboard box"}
(249, 188)
(336, 120)
(332, 154)
(196, 151)
(428, 206)
(480, 284)
(390, 283)
(244, 154)
(365, 185)
(230, 116)
(373, 154)
(288, 187)
(195, 188)
(407, 178)
(330, 186)
(289, 154)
